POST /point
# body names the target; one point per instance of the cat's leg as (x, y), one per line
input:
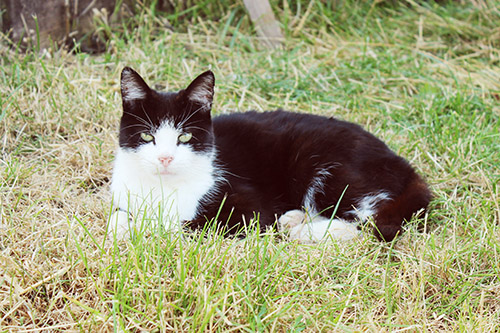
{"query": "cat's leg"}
(119, 224)
(237, 212)
(318, 228)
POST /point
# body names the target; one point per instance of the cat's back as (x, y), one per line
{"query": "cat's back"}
(283, 129)
(275, 121)
(278, 123)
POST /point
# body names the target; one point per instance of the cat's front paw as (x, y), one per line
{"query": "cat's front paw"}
(291, 219)
(119, 225)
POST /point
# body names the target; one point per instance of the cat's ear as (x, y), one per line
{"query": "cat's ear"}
(133, 86)
(201, 90)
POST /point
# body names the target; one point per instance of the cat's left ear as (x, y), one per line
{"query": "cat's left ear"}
(201, 90)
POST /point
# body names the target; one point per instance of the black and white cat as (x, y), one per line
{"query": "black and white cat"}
(316, 177)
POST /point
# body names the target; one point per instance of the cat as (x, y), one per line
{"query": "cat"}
(313, 177)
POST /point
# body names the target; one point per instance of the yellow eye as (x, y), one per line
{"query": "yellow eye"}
(147, 137)
(185, 137)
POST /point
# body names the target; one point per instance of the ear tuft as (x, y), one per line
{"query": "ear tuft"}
(133, 86)
(201, 90)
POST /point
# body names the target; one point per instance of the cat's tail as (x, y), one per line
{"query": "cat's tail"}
(390, 216)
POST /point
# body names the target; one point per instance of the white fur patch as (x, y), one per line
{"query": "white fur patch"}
(316, 229)
(316, 186)
(147, 189)
(367, 205)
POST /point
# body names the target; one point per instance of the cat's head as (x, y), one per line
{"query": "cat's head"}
(166, 131)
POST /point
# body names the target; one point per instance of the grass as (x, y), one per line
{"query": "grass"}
(424, 77)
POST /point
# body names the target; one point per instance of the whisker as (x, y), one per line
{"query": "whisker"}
(142, 120)
(150, 121)
(198, 128)
(183, 121)
(135, 125)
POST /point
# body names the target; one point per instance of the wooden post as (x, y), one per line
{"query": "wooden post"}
(264, 21)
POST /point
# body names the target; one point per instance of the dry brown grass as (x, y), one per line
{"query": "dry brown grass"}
(436, 106)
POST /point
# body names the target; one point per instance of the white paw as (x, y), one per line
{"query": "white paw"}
(291, 219)
(119, 225)
(343, 230)
(323, 229)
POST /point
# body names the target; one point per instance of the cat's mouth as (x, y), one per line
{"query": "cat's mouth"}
(165, 172)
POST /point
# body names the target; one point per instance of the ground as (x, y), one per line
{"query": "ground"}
(422, 76)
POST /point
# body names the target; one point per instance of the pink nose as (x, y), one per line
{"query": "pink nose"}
(165, 161)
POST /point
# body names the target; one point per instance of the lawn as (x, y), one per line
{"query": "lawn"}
(423, 76)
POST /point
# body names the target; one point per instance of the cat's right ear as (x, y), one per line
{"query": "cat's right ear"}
(133, 87)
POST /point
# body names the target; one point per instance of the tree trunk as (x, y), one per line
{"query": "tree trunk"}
(44, 23)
